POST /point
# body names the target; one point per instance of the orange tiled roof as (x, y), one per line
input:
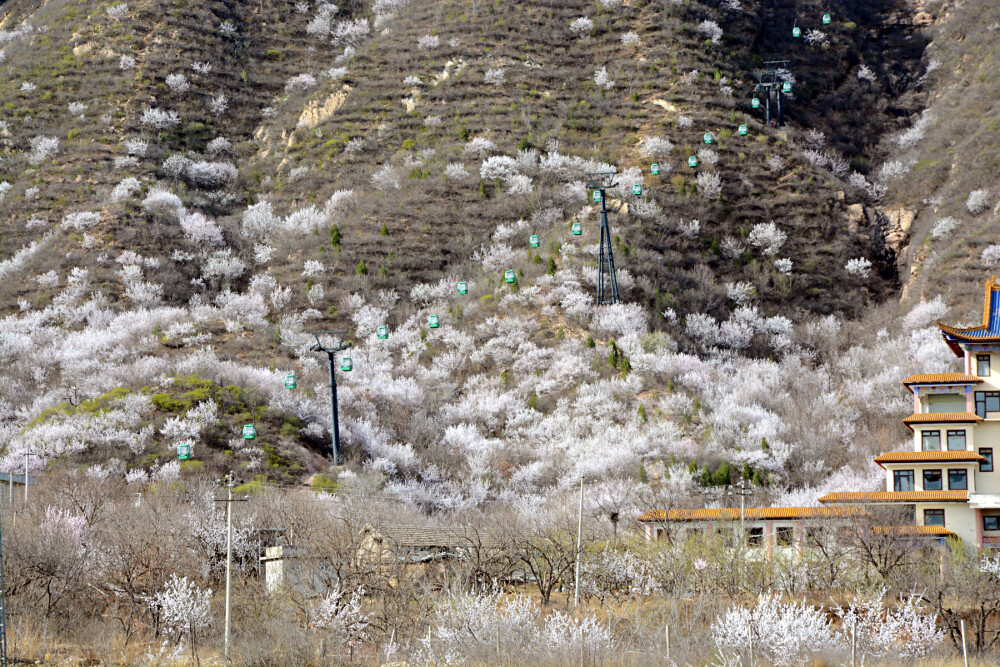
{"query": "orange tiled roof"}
(942, 418)
(936, 531)
(896, 497)
(752, 513)
(940, 378)
(928, 457)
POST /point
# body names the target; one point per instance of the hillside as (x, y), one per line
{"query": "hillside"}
(189, 190)
(193, 187)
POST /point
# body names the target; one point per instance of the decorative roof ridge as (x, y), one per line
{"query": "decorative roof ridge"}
(951, 328)
(957, 378)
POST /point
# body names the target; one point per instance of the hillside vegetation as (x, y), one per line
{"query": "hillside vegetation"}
(189, 189)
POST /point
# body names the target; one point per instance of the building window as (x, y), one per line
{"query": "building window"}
(931, 441)
(987, 465)
(958, 480)
(784, 536)
(932, 480)
(956, 440)
(987, 401)
(933, 517)
(755, 537)
(991, 522)
(902, 480)
(982, 365)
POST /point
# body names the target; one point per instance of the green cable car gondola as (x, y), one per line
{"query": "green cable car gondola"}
(509, 276)
(463, 287)
(827, 19)
(291, 382)
(533, 241)
(597, 196)
(383, 332)
(786, 87)
(654, 169)
(693, 161)
(433, 321)
(796, 31)
(576, 228)
(755, 103)
(183, 451)
(637, 189)
(346, 364)
(249, 432)
(707, 138)
(743, 130)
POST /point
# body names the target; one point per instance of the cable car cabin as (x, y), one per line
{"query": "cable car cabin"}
(291, 382)
(383, 332)
(463, 287)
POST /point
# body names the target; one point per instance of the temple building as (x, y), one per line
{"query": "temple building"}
(947, 473)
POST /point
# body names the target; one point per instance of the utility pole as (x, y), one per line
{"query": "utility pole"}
(229, 500)
(229, 562)
(26, 454)
(599, 182)
(579, 550)
(332, 342)
(3, 606)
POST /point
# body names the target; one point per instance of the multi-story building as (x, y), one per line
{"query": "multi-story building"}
(947, 474)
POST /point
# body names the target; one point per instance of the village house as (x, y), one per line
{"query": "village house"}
(946, 476)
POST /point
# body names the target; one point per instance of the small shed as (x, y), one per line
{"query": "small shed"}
(291, 568)
(422, 544)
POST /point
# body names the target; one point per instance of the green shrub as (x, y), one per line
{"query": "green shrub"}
(192, 467)
(324, 484)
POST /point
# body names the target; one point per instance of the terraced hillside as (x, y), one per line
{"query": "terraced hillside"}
(192, 183)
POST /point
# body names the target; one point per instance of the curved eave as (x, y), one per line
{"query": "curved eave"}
(931, 418)
(903, 458)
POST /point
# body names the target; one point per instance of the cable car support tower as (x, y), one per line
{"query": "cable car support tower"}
(599, 182)
(768, 81)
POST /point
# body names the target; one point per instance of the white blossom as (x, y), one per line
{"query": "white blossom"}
(978, 201)
(859, 266)
(602, 79)
(767, 237)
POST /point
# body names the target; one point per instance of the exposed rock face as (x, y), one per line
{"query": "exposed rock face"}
(898, 231)
(314, 114)
(856, 218)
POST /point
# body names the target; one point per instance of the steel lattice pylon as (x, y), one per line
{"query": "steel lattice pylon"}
(768, 80)
(600, 181)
